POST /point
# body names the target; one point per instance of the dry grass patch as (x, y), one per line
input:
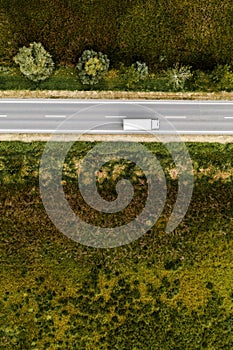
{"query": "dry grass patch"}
(128, 95)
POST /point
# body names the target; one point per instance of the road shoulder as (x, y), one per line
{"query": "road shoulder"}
(117, 137)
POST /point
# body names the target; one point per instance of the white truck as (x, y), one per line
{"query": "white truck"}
(140, 124)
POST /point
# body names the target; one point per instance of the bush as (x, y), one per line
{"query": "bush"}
(201, 81)
(92, 67)
(142, 70)
(177, 77)
(222, 76)
(35, 62)
(133, 74)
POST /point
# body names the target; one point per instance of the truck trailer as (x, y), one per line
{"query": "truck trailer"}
(140, 124)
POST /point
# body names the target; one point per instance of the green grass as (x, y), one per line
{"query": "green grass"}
(62, 79)
(164, 291)
(66, 78)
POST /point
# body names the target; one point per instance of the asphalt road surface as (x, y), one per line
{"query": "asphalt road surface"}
(106, 116)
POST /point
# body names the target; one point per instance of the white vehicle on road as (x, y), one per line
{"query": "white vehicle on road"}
(140, 124)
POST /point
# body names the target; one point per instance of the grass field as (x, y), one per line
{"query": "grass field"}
(163, 291)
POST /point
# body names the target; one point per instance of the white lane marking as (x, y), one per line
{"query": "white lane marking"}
(175, 117)
(154, 102)
(3, 115)
(115, 116)
(228, 117)
(159, 132)
(54, 116)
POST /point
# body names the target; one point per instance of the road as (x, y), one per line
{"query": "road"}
(105, 116)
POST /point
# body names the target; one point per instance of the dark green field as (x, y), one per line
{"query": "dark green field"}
(160, 33)
(164, 291)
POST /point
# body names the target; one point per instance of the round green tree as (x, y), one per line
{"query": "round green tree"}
(34, 62)
(92, 67)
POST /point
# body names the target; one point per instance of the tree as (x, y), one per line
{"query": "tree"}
(34, 62)
(92, 67)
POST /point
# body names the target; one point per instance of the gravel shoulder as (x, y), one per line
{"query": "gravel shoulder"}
(118, 137)
(128, 95)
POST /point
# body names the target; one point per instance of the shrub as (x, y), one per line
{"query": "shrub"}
(177, 77)
(35, 62)
(219, 71)
(227, 81)
(92, 67)
(201, 81)
(133, 74)
(223, 77)
(142, 70)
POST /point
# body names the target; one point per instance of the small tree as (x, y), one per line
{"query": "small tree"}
(34, 62)
(92, 67)
(177, 77)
